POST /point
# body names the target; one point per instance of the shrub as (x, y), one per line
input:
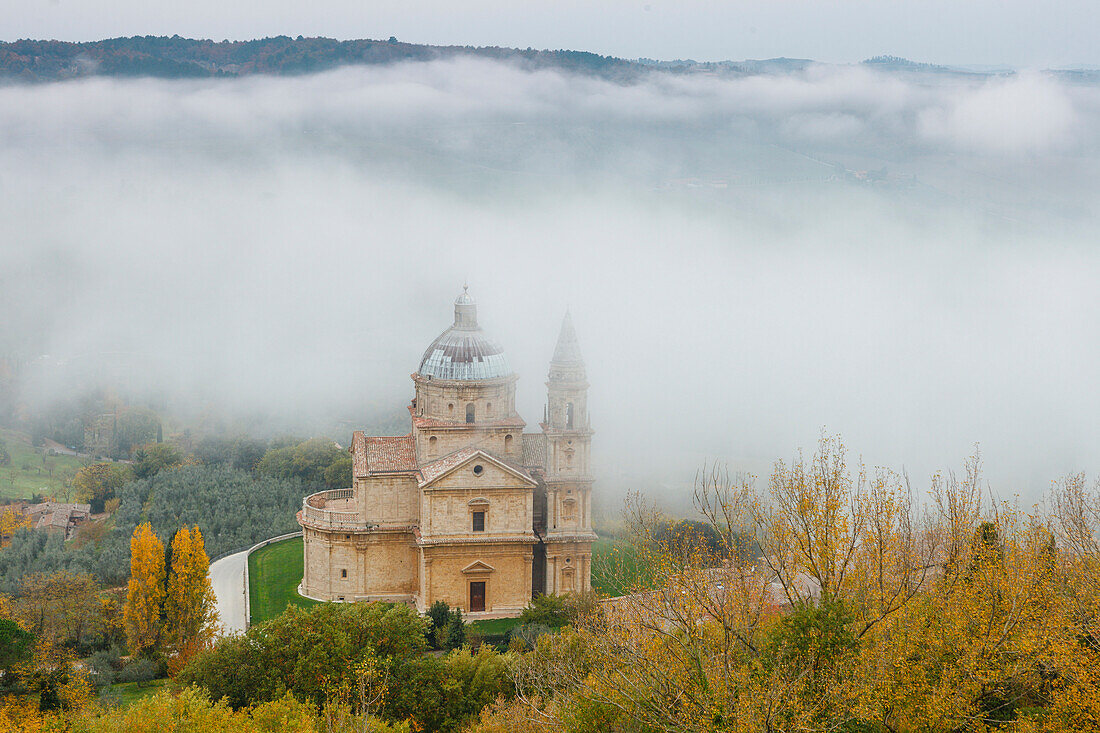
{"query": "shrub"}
(314, 652)
(548, 610)
(526, 635)
(104, 665)
(556, 611)
(308, 652)
(446, 629)
(16, 645)
(456, 630)
(139, 670)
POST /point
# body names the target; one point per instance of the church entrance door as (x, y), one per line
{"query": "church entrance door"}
(477, 596)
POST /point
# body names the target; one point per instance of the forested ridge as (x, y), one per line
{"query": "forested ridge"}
(176, 57)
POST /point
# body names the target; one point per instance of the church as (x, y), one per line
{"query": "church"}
(467, 508)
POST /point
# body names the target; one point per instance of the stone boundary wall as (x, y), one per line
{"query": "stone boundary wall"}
(248, 554)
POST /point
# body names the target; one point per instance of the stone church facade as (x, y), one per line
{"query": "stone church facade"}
(467, 508)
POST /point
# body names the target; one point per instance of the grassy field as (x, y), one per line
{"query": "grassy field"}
(130, 692)
(495, 625)
(274, 573)
(616, 569)
(27, 475)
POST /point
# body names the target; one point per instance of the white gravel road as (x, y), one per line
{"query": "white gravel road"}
(227, 579)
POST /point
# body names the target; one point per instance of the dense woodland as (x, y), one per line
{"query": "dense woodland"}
(177, 58)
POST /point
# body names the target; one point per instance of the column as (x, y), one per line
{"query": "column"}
(529, 565)
(360, 546)
(426, 593)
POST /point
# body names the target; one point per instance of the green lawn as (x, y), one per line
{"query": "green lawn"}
(274, 573)
(27, 474)
(130, 692)
(495, 625)
(616, 569)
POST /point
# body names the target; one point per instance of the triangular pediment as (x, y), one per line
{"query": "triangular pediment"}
(438, 470)
(478, 567)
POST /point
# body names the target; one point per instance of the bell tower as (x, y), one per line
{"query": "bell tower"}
(568, 434)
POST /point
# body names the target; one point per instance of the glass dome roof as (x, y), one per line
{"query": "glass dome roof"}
(463, 351)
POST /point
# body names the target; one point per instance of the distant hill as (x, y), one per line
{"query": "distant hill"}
(183, 58)
(748, 66)
(897, 63)
(178, 58)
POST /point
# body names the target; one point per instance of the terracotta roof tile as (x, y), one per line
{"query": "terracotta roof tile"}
(385, 454)
(431, 471)
(534, 450)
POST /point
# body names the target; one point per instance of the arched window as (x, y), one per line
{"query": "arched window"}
(569, 416)
(432, 444)
(450, 408)
(489, 409)
(507, 443)
(470, 412)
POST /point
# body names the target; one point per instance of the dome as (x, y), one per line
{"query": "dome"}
(463, 351)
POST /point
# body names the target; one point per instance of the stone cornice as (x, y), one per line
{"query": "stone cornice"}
(505, 540)
(556, 538)
(469, 383)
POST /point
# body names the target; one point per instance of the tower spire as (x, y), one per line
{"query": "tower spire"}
(567, 351)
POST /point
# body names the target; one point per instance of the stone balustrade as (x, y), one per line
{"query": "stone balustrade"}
(316, 511)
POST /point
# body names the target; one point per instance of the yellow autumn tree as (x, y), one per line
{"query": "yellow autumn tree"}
(10, 521)
(145, 591)
(191, 616)
(857, 608)
(98, 483)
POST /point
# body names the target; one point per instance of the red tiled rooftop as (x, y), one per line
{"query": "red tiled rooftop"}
(382, 454)
(431, 471)
(534, 450)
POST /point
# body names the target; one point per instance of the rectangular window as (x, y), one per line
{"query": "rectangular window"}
(479, 521)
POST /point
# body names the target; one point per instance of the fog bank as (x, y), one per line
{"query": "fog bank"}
(908, 260)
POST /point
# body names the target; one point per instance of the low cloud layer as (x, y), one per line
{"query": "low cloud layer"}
(908, 260)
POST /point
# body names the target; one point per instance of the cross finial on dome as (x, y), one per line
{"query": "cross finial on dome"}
(465, 298)
(465, 310)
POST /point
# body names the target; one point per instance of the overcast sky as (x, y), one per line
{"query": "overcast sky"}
(1021, 33)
